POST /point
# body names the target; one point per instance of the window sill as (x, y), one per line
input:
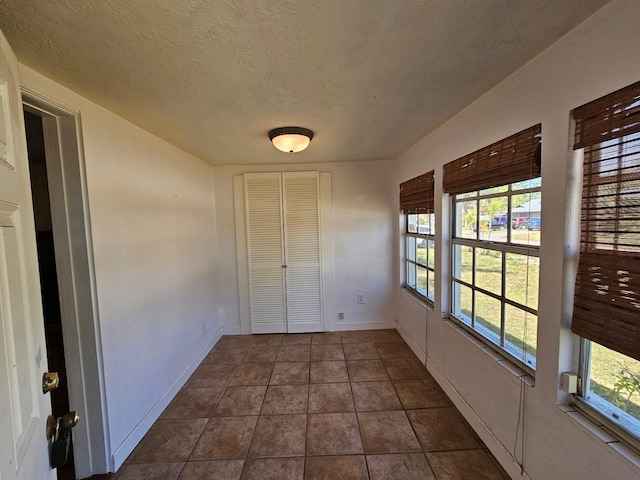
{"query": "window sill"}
(518, 373)
(594, 428)
(428, 304)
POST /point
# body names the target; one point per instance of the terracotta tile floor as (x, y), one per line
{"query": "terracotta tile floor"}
(350, 405)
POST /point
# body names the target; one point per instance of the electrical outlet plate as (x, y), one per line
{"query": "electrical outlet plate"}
(360, 297)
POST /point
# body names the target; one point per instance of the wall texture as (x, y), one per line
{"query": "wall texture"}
(154, 245)
(596, 58)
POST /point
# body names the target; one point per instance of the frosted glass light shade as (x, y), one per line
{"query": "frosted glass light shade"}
(291, 139)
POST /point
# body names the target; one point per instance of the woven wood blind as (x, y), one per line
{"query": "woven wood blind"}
(607, 296)
(510, 160)
(416, 195)
(612, 116)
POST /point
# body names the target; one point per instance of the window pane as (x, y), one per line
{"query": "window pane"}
(411, 275)
(421, 280)
(424, 223)
(488, 313)
(421, 251)
(411, 248)
(431, 284)
(521, 334)
(431, 245)
(466, 219)
(489, 270)
(463, 263)
(525, 218)
(522, 279)
(533, 183)
(493, 219)
(489, 191)
(462, 301)
(412, 223)
(614, 380)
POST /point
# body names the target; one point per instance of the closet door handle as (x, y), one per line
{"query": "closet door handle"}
(284, 266)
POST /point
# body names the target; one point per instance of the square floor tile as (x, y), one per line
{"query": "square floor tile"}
(424, 393)
(225, 438)
(241, 401)
(279, 436)
(296, 339)
(212, 375)
(461, 465)
(399, 466)
(213, 470)
(262, 354)
(169, 440)
(289, 373)
(330, 398)
(321, 352)
(386, 336)
(285, 399)
(387, 432)
(360, 351)
(356, 336)
(347, 467)
(229, 355)
(274, 469)
(442, 429)
(375, 396)
(252, 374)
(394, 350)
(333, 434)
(266, 340)
(326, 338)
(153, 471)
(329, 372)
(193, 403)
(366, 371)
(294, 353)
(405, 369)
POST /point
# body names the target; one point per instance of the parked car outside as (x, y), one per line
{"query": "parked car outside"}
(518, 222)
(533, 223)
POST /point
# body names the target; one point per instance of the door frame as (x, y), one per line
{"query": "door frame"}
(76, 278)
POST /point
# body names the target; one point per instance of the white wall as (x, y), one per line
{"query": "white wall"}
(598, 57)
(364, 212)
(154, 244)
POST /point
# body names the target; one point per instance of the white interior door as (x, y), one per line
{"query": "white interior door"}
(23, 358)
(302, 251)
(265, 245)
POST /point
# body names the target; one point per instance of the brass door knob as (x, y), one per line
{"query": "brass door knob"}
(50, 381)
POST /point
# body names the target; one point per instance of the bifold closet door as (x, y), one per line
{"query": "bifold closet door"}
(265, 243)
(302, 251)
(284, 253)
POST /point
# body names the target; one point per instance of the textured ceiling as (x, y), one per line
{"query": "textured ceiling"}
(370, 77)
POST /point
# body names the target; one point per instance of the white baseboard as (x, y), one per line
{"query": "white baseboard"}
(127, 446)
(364, 325)
(417, 349)
(231, 330)
(499, 451)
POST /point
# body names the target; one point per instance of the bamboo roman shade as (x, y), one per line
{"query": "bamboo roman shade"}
(607, 295)
(510, 160)
(416, 195)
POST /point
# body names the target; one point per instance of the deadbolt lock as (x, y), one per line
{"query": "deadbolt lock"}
(50, 381)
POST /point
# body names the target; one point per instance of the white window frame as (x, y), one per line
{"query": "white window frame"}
(497, 342)
(411, 266)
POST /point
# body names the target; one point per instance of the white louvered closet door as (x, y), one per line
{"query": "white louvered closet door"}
(302, 251)
(284, 254)
(263, 203)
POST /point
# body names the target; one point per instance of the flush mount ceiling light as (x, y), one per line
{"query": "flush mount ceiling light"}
(290, 139)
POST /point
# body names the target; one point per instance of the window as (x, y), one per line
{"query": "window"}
(496, 205)
(417, 204)
(606, 310)
(420, 254)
